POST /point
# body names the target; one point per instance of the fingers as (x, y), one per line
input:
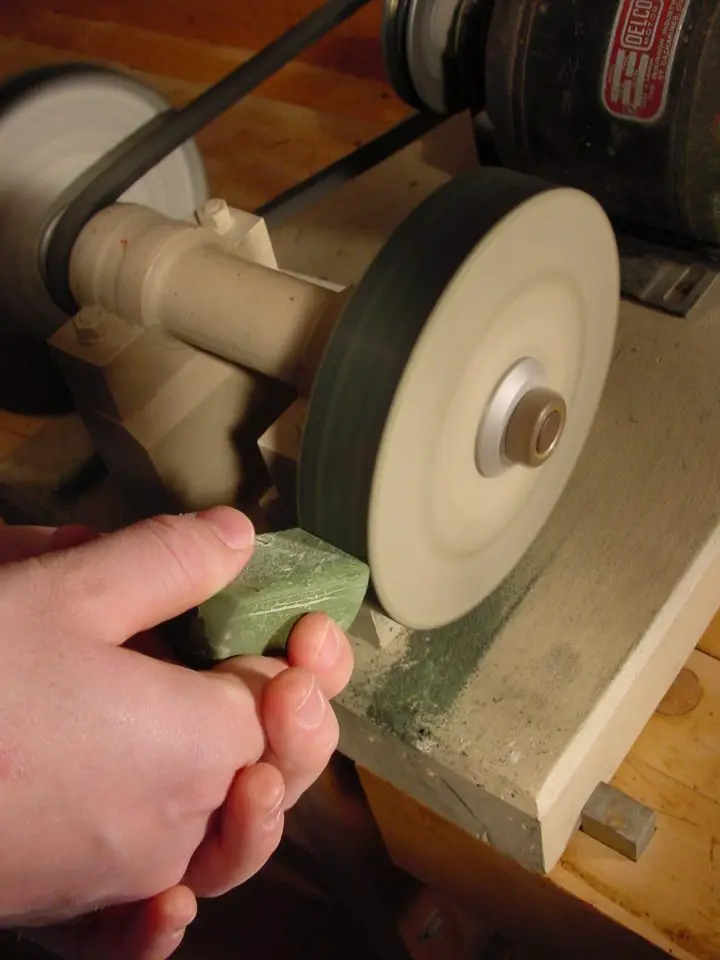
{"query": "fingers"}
(151, 930)
(72, 535)
(21, 543)
(301, 728)
(120, 585)
(317, 644)
(245, 834)
(25, 542)
(156, 930)
(254, 672)
(300, 742)
(152, 644)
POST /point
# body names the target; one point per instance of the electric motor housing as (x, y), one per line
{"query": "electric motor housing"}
(619, 98)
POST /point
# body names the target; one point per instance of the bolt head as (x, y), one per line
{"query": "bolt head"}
(215, 215)
(89, 325)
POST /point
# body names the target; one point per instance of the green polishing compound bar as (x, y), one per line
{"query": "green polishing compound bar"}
(291, 573)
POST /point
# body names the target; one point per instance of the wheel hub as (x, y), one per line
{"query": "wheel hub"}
(523, 423)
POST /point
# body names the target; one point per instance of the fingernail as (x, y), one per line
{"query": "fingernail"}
(233, 527)
(310, 711)
(327, 649)
(277, 807)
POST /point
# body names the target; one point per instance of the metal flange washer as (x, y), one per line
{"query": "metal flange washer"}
(55, 123)
(459, 388)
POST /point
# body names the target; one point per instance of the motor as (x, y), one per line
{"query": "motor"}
(619, 98)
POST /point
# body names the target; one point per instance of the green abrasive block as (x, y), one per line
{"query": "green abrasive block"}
(291, 573)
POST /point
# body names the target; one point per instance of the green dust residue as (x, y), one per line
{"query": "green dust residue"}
(437, 664)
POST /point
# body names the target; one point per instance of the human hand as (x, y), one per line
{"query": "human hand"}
(141, 757)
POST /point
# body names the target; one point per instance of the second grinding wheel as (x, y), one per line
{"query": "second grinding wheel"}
(459, 388)
(56, 123)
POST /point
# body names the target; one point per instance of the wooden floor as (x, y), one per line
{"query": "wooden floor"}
(307, 116)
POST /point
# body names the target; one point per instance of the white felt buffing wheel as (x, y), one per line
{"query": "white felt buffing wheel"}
(55, 123)
(480, 336)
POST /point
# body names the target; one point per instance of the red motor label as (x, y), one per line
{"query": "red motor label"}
(640, 58)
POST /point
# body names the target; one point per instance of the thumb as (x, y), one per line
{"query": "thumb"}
(124, 583)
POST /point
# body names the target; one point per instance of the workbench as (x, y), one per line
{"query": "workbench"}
(593, 900)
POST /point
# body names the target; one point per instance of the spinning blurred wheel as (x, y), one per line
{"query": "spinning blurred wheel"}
(459, 388)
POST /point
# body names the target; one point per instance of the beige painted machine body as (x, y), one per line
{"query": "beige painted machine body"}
(214, 284)
(181, 329)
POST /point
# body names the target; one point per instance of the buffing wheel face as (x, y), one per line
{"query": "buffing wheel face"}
(499, 289)
(55, 123)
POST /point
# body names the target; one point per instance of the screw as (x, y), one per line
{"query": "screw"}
(89, 325)
(215, 215)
